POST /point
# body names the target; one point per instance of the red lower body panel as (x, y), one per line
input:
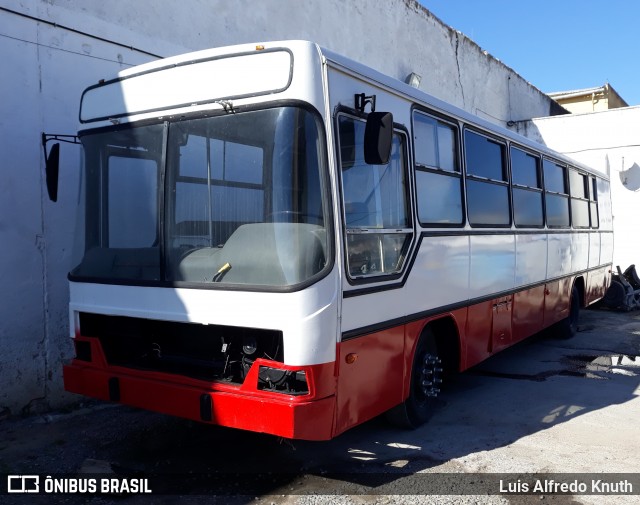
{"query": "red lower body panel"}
(377, 377)
(266, 412)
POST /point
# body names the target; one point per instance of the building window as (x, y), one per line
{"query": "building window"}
(487, 182)
(438, 180)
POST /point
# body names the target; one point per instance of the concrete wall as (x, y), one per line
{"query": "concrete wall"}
(43, 73)
(52, 49)
(608, 141)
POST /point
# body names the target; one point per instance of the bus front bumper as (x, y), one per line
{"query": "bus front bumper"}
(273, 413)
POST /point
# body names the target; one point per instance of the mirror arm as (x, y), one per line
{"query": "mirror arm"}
(47, 137)
(361, 101)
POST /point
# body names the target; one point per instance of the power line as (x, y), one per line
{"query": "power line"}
(600, 148)
(79, 32)
(64, 50)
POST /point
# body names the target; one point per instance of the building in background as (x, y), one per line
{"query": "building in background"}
(589, 99)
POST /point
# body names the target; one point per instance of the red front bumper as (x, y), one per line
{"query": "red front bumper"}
(308, 417)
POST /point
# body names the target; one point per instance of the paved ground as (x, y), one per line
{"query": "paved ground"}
(545, 406)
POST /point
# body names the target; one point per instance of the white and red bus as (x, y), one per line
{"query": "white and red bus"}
(275, 238)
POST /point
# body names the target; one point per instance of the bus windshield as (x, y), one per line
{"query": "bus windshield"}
(235, 199)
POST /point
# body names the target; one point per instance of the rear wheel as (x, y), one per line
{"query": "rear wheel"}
(426, 378)
(568, 327)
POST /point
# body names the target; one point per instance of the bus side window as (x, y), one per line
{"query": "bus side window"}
(527, 189)
(376, 204)
(487, 181)
(603, 199)
(556, 194)
(438, 179)
(593, 203)
(579, 189)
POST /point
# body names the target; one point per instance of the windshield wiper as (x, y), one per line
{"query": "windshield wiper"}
(221, 273)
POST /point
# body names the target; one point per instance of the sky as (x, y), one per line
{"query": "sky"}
(556, 45)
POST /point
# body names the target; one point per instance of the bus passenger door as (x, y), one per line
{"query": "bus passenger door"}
(379, 231)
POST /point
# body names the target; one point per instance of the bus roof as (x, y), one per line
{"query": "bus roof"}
(334, 59)
(428, 101)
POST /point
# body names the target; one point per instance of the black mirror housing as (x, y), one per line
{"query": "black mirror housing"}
(378, 137)
(52, 169)
(52, 160)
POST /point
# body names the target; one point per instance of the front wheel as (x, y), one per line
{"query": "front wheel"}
(426, 379)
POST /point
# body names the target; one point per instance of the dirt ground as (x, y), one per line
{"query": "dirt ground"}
(543, 407)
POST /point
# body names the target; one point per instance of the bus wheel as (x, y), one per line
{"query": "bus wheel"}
(568, 327)
(426, 378)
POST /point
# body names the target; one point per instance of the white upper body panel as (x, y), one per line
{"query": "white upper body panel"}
(308, 318)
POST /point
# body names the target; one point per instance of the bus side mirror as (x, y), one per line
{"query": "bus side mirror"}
(52, 160)
(378, 137)
(52, 169)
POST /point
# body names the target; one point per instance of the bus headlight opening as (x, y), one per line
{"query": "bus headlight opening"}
(293, 382)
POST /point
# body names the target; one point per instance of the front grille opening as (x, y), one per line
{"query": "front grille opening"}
(207, 352)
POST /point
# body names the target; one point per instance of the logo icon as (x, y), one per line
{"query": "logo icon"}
(23, 483)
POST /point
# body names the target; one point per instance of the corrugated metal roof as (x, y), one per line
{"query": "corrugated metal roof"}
(606, 89)
(576, 92)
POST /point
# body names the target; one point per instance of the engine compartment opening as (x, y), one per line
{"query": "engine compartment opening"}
(206, 352)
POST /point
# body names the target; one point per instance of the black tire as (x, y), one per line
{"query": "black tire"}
(426, 378)
(568, 327)
(615, 295)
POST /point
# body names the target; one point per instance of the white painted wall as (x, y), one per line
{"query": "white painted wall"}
(608, 141)
(46, 67)
(44, 70)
